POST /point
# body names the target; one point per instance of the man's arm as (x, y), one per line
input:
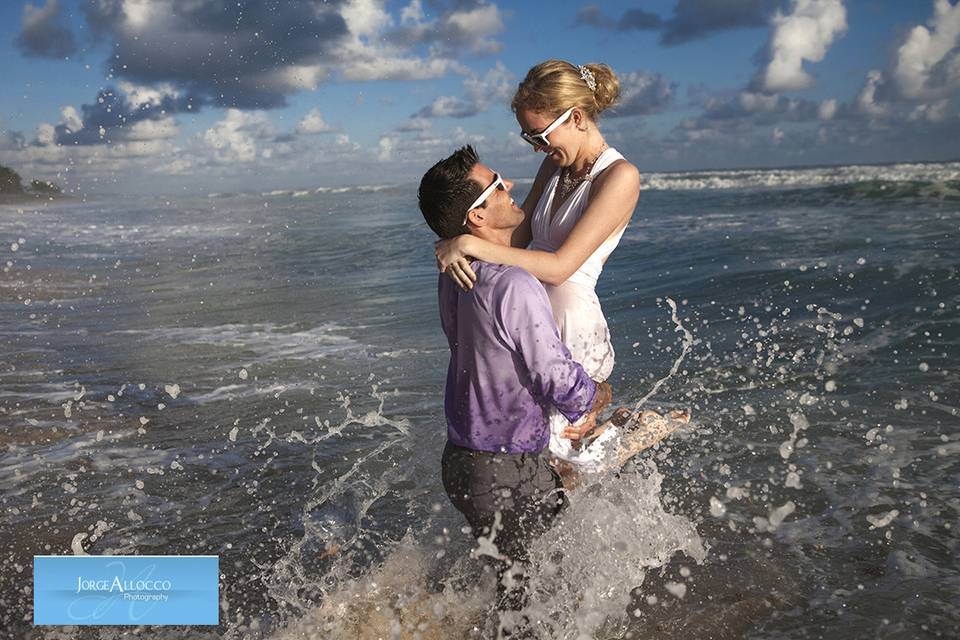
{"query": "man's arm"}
(448, 296)
(524, 319)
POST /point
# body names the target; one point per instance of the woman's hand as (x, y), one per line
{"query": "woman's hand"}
(452, 259)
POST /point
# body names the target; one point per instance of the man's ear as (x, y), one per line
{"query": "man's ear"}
(478, 216)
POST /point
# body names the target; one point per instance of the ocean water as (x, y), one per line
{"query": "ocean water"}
(260, 376)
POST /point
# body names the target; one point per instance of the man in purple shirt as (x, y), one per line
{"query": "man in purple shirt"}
(507, 368)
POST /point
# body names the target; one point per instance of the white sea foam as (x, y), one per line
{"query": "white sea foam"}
(102, 452)
(361, 188)
(269, 342)
(399, 353)
(236, 391)
(63, 231)
(882, 520)
(374, 187)
(801, 177)
(52, 392)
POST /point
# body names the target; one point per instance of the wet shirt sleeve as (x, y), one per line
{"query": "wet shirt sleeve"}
(521, 311)
(448, 297)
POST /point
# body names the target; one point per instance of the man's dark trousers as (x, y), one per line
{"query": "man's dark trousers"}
(522, 487)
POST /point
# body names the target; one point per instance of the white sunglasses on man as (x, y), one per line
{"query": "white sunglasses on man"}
(539, 140)
(497, 183)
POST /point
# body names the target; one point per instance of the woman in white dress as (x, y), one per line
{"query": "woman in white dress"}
(580, 203)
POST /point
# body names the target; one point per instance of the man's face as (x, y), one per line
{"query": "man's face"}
(499, 209)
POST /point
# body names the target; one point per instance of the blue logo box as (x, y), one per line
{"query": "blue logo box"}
(114, 590)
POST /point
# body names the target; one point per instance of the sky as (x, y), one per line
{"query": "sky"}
(168, 96)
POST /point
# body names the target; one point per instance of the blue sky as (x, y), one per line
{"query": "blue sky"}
(219, 95)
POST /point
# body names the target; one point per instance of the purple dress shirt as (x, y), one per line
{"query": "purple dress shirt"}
(507, 363)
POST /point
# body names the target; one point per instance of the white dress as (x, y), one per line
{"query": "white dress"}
(576, 307)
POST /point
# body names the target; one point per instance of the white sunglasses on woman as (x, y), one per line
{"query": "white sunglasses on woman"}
(497, 183)
(539, 140)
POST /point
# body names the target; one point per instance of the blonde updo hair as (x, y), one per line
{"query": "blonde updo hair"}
(556, 85)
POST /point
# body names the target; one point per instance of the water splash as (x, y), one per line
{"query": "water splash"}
(685, 347)
(586, 567)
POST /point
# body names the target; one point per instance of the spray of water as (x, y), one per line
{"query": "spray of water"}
(684, 348)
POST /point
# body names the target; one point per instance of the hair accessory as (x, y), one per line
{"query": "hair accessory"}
(588, 77)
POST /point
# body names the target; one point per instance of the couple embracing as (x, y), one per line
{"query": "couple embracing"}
(529, 345)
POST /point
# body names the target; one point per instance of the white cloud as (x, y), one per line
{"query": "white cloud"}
(143, 130)
(373, 64)
(235, 138)
(752, 102)
(928, 62)
(146, 150)
(694, 134)
(867, 100)
(462, 29)
(449, 107)
(933, 112)
(77, 163)
(139, 13)
(806, 33)
(283, 49)
(385, 148)
(141, 96)
(423, 147)
(366, 17)
(313, 123)
(827, 109)
(479, 25)
(276, 51)
(46, 134)
(298, 77)
(70, 118)
(176, 167)
(922, 76)
(374, 50)
(415, 124)
(778, 135)
(412, 14)
(495, 86)
(643, 93)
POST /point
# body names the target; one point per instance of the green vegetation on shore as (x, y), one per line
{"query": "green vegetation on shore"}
(11, 186)
(10, 181)
(44, 187)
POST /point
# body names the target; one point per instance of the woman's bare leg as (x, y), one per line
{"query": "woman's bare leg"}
(637, 434)
(568, 473)
(648, 429)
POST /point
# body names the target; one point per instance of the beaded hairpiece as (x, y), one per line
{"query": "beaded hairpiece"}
(588, 77)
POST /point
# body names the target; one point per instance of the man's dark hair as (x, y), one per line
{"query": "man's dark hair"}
(446, 192)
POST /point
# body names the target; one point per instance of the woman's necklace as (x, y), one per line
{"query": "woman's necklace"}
(569, 182)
